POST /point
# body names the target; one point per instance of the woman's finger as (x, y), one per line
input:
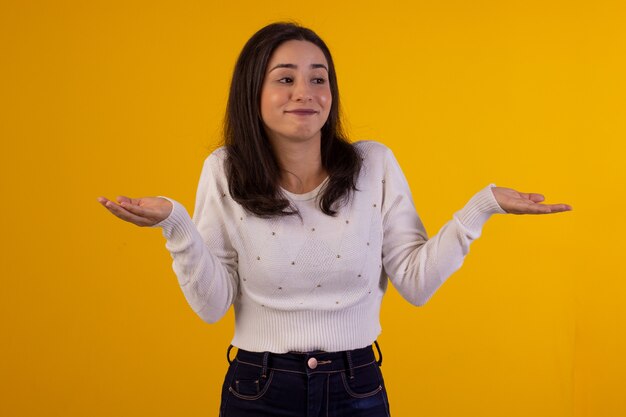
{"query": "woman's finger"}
(535, 208)
(123, 199)
(136, 209)
(122, 213)
(151, 209)
(557, 208)
(537, 198)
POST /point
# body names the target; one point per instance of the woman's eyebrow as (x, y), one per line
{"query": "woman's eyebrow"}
(294, 66)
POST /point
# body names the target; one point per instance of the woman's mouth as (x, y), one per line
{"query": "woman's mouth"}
(302, 112)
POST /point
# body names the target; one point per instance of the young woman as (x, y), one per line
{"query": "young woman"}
(300, 230)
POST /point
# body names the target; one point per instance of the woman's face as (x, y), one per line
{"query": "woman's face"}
(295, 96)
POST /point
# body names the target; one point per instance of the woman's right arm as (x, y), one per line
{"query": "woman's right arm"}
(203, 259)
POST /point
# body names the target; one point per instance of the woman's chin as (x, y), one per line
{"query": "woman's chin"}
(298, 137)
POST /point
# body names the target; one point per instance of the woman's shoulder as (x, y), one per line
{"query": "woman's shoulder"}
(371, 146)
(368, 144)
(216, 158)
(371, 150)
(213, 166)
(218, 154)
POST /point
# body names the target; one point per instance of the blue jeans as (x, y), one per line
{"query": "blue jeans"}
(305, 384)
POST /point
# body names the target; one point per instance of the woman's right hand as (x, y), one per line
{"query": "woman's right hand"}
(146, 211)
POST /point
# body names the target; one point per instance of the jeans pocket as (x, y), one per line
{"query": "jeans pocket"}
(247, 382)
(364, 382)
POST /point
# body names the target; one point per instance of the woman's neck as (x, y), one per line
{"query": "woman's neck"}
(301, 165)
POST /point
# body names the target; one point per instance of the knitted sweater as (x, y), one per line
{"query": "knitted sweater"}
(314, 282)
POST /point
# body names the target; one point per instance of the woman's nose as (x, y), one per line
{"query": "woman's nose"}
(302, 91)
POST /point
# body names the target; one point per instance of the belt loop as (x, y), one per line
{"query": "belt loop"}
(265, 358)
(228, 354)
(349, 358)
(380, 354)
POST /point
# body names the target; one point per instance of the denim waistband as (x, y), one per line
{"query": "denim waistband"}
(309, 362)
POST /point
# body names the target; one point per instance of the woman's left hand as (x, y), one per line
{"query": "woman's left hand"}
(515, 202)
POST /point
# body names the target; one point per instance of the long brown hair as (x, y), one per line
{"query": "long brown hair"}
(252, 169)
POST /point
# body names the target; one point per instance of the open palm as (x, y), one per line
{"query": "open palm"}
(146, 211)
(515, 202)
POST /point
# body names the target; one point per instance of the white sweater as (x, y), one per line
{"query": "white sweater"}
(314, 282)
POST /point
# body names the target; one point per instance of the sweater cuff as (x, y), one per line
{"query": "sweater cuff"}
(178, 222)
(478, 210)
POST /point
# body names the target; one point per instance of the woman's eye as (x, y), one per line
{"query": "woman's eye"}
(319, 80)
(285, 80)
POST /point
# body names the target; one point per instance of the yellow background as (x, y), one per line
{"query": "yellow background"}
(118, 97)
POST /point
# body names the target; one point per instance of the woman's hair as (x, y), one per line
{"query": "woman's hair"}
(252, 169)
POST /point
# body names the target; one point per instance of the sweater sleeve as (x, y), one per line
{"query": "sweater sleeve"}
(416, 265)
(203, 258)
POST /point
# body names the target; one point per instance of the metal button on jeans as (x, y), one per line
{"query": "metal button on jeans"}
(312, 363)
